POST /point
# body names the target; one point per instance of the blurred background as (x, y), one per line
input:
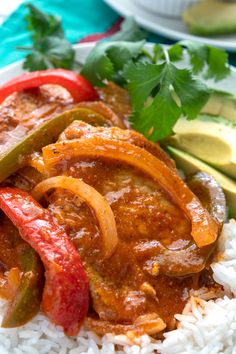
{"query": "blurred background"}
(166, 21)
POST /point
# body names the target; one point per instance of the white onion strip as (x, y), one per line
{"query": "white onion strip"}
(204, 228)
(95, 200)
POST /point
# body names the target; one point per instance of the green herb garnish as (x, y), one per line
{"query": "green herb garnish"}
(203, 56)
(50, 48)
(108, 60)
(176, 93)
(160, 91)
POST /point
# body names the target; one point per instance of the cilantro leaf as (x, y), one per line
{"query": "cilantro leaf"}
(192, 93)
(198, 54)
(36, 61)
(203, 56)
(43, 24)
(175, 52)
(50, 52)
(160, 92)
(156, 118)
(129, 32)
(157, 53)
(140, 90)
(108, 59)
(50, 48)
(218, 67)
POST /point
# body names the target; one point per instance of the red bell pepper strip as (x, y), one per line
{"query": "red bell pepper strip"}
(79, 88)
(66, 292)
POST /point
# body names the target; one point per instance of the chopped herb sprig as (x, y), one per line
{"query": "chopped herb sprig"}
(160, 91)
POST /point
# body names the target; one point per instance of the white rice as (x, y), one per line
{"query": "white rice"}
(209, 327)
(42, 337)
(204, 327)
(225, 267)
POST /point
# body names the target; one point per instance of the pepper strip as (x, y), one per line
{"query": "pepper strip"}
(204, 228)
(13, 158)
(26, 303)
(66, 291)
(15, 252)
(79, 88)
(95, 200)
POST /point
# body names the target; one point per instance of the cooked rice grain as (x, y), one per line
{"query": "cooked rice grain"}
(205, 327)
(209, 328)
(224, 269)
(42, 337)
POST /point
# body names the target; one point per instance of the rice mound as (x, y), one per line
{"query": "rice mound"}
(209, 327)
(224, 270)
(204, 327)
(40, 336)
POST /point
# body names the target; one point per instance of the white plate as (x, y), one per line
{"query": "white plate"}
(166, 26)
(82, 50)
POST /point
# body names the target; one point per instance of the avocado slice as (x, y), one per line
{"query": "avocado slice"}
(211, 139)
(211, 17)
(221, 104)
(191, 165)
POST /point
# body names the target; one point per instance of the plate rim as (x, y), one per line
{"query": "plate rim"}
(119, 7)
(14, 69)
(86, 47)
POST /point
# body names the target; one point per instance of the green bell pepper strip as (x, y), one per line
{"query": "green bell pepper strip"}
(14, 157)
(15, 252)
(66, 292)
(26, 303)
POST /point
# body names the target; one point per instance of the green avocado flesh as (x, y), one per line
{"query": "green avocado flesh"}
(221, 104)
(211, 17)
(191, 165)
(211, 139)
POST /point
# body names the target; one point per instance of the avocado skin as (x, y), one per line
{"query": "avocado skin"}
(191, 165)
(211, 17)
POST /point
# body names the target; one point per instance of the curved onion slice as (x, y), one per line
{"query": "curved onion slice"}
(95, 200)
(204, 228)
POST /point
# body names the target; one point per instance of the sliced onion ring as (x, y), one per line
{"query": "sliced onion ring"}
(95, 200)
(204, 228)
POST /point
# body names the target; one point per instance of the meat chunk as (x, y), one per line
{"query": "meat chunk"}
(155, 242)
(118, 100)
(156, 260)
(30, 108)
